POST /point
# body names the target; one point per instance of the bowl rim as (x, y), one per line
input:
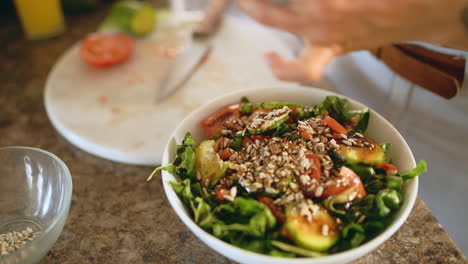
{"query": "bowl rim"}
(347, 255)
(64, 207)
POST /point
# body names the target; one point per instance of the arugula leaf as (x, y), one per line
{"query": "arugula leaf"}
(386, 146)
(363, 121)
(420, 168)
(338, 160)
(237, 143)
(281, 129)
(184, 162)
(394, 182)
(248, 216)
(247, 108)
(386, 200)
(171, 168)
(183, 190)
(336, 108)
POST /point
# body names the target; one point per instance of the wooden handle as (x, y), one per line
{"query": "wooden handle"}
(213, 14)
(439, 73)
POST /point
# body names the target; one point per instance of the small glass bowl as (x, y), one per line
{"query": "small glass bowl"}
(35, 192)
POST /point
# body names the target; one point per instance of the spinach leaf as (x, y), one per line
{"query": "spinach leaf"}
(237, 143)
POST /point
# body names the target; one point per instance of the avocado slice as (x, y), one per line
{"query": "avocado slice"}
(309, 235)
(268, 121)
(210, 167)
(363, 155)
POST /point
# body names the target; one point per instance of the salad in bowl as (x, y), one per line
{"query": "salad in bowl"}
(289, 180)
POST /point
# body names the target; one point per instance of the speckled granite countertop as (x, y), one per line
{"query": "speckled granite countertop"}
(116, 216)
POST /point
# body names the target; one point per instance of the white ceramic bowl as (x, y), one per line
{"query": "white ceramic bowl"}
(379, 129)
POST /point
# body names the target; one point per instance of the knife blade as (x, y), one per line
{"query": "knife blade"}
(187, 63)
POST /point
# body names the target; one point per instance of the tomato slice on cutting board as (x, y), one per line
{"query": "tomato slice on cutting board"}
(102, 50)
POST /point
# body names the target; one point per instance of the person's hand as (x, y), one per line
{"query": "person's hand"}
(333, 27)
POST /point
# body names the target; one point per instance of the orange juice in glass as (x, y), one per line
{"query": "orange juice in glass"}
(40, 18)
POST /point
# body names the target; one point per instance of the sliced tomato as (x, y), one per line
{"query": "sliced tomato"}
(214, 123)
(348, 179)
(225, 154)
(102, 50)
(333, 124)
(220, 114)
(259, 137)
(275, 210)
(387, 166)
(246, 141)
(305, 135)
(315, 173)
(220, 191)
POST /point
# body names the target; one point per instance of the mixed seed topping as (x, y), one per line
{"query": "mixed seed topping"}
(11, 241)
(281, 166)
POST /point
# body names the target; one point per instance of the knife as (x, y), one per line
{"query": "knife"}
(186, 63)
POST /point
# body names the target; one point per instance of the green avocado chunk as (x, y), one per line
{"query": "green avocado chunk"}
(363, 155)
(268, 121)
(319, 234)
(210, 167)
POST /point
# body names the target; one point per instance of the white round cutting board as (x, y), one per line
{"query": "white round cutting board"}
(112, 112)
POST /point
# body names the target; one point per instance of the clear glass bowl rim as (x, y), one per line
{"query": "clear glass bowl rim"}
(63, 210)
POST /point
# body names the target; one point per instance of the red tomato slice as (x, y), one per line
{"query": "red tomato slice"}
(220, 114)
(315, 173)
(305, 135)
(259, 137)
(333, 124)
(268, 201)
(213, 124)
(346, 176)
(102, 50)
(220, 191)
(246, 141)
(387, 166)
(225, 154)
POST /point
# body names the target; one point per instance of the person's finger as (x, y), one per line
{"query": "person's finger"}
(315, 60)
(285, 70)
(270, 14)
(308, 68)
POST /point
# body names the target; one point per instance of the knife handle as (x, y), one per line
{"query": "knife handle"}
(213, 14)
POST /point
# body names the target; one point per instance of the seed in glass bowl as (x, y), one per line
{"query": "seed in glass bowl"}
(14, 240)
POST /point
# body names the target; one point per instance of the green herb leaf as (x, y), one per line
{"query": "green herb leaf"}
(394, 182)
(386, 146)
(247, 108)
(387, 200)
(237, 143)
(169, 168)
(244, 99)
(420, 168)
(363, 122)
(281, 129)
